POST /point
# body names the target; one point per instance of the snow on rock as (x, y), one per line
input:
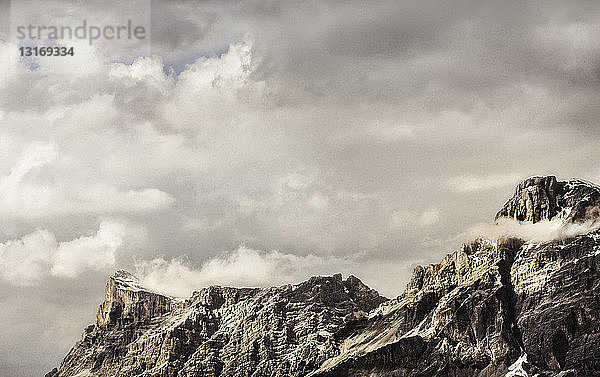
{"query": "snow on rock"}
(517, 368)
(480, 306)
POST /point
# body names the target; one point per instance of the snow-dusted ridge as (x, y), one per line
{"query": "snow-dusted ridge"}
(501, 307)
(126, 281)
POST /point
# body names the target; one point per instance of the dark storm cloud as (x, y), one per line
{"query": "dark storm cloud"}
(447, 52)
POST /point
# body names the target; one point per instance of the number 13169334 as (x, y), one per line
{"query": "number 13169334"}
(46, 51)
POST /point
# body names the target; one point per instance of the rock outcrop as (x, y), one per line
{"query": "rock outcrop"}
(127, 302)
(280, 331)
(501, 307)
(544, 198)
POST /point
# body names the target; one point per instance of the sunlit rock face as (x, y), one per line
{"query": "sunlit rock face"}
(544, 198)
(287, 330)
(494, 307)
(557, 286)
(127, 302)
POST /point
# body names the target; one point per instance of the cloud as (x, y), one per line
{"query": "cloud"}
(247, 267)
(200, 152)
(474, 183)
(28, 192)
(34, 156)
(144, 71)
(241, 267)
(547, 230)
(297, 126)
(95, 252)
(26, 261)
(30, 259)
(109, 199)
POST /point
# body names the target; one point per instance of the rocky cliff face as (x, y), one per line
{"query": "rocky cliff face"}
(544, 198)
(281, 331)
(127, 302)
(506, 307)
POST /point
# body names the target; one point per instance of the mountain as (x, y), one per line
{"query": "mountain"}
(544, 198)
(507, 307)
(287, 330)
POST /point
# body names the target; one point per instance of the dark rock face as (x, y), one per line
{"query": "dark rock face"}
(535, 199)
(506, 307)
(539, 300)
(456, 318)
(544, 198)
(559, 306)
(281, 331)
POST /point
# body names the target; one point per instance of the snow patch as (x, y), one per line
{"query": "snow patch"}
(516, 369)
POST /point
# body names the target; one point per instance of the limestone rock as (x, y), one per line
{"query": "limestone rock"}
(287, 330)
(507, 307)
(544, 198)
(127, 302)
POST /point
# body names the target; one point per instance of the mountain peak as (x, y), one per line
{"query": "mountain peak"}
(492, 307)
(540, 198)
(126, 301)
(125, 280)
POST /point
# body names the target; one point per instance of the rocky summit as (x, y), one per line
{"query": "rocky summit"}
(494, 307)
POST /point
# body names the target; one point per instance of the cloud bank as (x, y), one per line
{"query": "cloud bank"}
(547, 230)
(322, 129)
(30, 259)
(247, 267)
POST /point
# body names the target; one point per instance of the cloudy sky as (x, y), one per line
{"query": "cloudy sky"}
(261, 142)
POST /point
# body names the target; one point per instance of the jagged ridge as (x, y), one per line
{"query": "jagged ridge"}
(491, 308)
(545, 198)
(287, 330)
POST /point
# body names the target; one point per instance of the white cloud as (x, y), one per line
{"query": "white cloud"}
(34, 156)
(94, 252)
(26, 261)
(378, 132)
(241, 267)
(145, 71)
(25, 192)
(208, 90)
(132, 140)
(404, 219)
(474, 183)
(318, 201)
(247, 267)
(547, 230)
(33, 257)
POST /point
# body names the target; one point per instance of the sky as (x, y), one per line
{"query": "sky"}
(259, 142)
